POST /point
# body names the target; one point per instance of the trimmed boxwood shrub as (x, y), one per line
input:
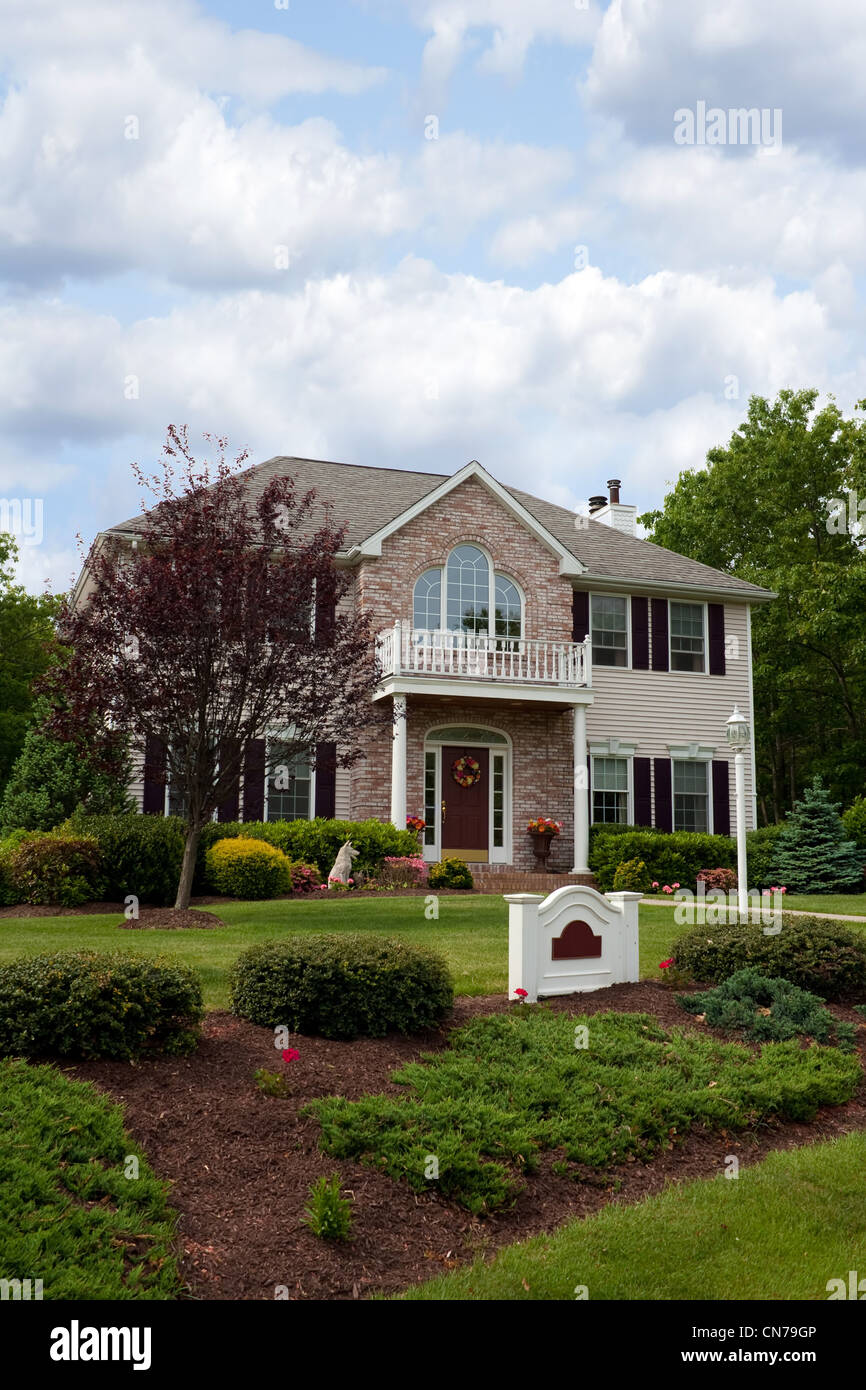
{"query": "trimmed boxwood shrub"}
(98, 1004)
(316, 841)
(676, 858)
(140, 854)
(342, 986)
(767, 1010)
(9, 895)
(450, 873)
(55, 868)
(246, 868)
(820, 955)
(679, 857)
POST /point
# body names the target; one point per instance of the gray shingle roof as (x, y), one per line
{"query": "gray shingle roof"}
(366, 498)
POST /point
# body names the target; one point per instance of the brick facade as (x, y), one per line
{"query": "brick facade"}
(540, 735)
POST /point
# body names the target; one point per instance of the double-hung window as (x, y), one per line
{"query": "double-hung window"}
(610, 790)
(290, 783)
(609, 626)
(688, 640)
(691, 796)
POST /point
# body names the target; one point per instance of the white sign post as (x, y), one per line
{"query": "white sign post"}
(573, 940)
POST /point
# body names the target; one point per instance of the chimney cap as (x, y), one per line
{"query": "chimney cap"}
(596, 503)
(614, 484)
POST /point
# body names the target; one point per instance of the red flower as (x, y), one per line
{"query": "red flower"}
(663, 964)
(291, 1054)
(521, 993)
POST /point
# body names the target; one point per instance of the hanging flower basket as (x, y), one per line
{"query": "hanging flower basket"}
(465, 771)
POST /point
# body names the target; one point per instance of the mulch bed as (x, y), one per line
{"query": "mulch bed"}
(241, 1162)
(171, 919)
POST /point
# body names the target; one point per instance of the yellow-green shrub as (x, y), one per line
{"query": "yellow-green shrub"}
(245, 868)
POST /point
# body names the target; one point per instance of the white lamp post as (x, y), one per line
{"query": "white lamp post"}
(738, 738)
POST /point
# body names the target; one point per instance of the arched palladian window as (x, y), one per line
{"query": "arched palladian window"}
(427, 607)
(463, 604)
(467, 607)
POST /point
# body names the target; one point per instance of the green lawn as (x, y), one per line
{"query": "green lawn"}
(781, 1230)
(472, 934)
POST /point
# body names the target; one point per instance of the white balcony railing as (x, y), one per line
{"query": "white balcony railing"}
(404, 650)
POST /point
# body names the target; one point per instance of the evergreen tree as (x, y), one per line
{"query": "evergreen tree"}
(812, 853)
(51, 779)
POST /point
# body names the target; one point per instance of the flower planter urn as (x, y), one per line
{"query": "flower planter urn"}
(541, 843)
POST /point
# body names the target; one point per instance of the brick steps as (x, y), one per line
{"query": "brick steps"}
(505, 880)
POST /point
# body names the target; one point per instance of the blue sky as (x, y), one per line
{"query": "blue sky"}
(234, 216)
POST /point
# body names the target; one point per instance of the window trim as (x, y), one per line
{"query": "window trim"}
(628, 759)
(492, 575)
(280, 736)
(691, 603)
(676, 757)
(594, 594)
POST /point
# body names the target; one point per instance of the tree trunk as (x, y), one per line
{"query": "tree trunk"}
(190, 851)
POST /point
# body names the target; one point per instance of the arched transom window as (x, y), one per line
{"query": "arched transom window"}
(463, 602)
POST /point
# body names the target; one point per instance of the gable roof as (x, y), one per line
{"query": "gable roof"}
(374, 502)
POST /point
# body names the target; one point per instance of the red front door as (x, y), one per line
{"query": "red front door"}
(465, 810)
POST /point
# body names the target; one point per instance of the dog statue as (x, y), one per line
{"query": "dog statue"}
(342, 870)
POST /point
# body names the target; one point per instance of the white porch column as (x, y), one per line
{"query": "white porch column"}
(398, 764)
(581, 794)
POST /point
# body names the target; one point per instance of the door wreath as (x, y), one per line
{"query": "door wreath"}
(465, 771)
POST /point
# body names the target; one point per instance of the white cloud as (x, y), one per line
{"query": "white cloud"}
(422, 369)
(456, 27)
(652, 57)
(188, 46)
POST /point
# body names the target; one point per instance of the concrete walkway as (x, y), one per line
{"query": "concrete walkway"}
(789, 912)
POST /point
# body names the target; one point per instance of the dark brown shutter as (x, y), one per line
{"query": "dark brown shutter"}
(716, 624)
(721, 798)
(153, 803)
(660, 634)
(579, 615)
(326, 780)
(326, 612)
(643, 807)
(229, 809)
(664, 818)
(640, 634)
(254, 780)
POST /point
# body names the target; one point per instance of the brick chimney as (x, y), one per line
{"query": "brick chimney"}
(612, 512)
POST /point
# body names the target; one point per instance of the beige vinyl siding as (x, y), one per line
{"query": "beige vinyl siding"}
(343, 795)
(655, 709)
(136, 785)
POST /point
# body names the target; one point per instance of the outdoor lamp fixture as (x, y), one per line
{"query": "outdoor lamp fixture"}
(739, 736)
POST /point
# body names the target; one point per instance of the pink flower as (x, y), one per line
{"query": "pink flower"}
(667, 889)
(676, 885)
(655, 883)
(291, 1054)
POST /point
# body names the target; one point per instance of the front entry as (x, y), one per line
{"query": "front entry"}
(465, 809)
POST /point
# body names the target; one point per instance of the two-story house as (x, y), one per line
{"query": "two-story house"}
(538, 662)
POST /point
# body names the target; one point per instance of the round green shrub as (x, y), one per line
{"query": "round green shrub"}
(767, 1010)
(820, 955)
(450, 873)
(244, 868)
(55, 868)
(631, 877)
(97, 1004)
(140, 854)
(342, 986)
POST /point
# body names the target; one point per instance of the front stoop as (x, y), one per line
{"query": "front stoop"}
(494, 878)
